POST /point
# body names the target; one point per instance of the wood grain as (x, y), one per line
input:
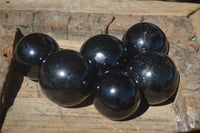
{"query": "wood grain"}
(58, 24)
(104, 6)
(38, 114)
(79, 20)
(32, 112)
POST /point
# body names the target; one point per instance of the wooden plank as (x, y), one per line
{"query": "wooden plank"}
(81, 26)
(10, 80)
(58, 24)
(32, 112)
(41, 115)
(179, 31)
(188, 102)
(183, 50)
(104, 6)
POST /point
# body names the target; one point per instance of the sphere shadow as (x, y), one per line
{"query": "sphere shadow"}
(25, 70)
(34, 80)
(190, 1)
(168, 47)
(193, 131)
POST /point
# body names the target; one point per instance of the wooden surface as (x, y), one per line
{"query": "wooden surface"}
(32, 112)
(77, 20)
(103, 6)
(188, 103)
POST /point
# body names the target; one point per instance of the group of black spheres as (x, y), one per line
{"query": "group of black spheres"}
(117, 73)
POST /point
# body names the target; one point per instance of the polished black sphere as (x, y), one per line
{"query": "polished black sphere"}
(116, 95)
(144, 37)
(66, 78)
(156, 74)
(105, 52)
(31, 51)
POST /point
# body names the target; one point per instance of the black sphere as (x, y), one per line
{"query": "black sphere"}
(144, 37)
(156, 74)
(116, 95)
(66, 78)
(105, 52)
(31, 51)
